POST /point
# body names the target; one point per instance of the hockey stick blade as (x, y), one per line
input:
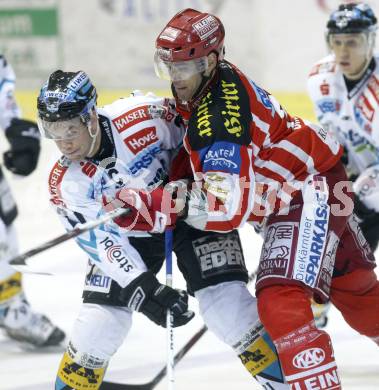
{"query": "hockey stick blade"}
(162, 373)
(80, 229)
(119, 386)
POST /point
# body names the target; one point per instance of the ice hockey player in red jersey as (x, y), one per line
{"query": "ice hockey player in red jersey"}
(121, 154)
(253, 162)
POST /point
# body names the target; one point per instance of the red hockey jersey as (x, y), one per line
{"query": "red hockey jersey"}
(248, 154)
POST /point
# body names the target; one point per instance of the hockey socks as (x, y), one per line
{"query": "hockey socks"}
(356, 296)
(258, 354)
(307, 359)
(305, 352)
(87, 375)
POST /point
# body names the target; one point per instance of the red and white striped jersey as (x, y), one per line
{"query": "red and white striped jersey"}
(246, 151)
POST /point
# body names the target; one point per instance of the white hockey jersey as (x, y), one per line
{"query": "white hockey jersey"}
(353, 116)
(142, 150)
(8, 105)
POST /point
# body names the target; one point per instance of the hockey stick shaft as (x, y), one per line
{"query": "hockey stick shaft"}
(178, 357)
(170, 319)
(21, 259)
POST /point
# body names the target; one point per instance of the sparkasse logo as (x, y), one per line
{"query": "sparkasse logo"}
(309, 358)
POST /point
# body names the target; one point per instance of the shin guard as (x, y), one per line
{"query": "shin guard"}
(79, 372)
(10, 290)
(307, 359)
(305, 352)
(10, 287)
(258, 354)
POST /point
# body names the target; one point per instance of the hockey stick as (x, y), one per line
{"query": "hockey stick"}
(80, 229)
(177, 358)
(170, 318)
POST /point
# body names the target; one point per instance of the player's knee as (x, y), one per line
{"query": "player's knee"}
(97, 333)
(356, 295)
(228, 310)
(284, 308)
(100, 330)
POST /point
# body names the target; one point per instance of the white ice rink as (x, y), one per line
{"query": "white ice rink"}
(209, 365)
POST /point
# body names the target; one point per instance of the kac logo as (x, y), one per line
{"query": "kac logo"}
(309, 358)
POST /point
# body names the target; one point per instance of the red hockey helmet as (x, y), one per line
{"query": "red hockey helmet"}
(187, 40)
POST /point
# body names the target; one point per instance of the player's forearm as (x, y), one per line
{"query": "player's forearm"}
(105, 246)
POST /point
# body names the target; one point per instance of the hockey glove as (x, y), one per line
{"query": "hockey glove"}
(24, 140)
(146, 295)
(152, 211)
(368, 222)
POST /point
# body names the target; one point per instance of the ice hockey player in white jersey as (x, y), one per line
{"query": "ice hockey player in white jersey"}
(17, 318)
(344, 88)
(120, 155)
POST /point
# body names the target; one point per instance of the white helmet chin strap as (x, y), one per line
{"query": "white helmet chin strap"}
(93, 136)
(358, 75)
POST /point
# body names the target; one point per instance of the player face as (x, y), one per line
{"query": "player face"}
(185, 76)
(185, 89)
(351, 52)
(72, 138)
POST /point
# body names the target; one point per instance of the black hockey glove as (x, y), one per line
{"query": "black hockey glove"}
(368, 222)
(24, 140)
(146, 295)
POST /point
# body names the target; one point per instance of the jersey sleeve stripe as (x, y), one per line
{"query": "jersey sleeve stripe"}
(275, 167)
(262, 125)
(297, 152)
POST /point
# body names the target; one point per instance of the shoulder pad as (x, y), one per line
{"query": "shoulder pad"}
(323, 67)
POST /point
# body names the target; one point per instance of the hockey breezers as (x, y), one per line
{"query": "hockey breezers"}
(162, 373)
(80, 229)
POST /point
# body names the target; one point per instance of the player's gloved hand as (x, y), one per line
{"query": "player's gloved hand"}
(151, 211)
(361, 210)
(165, 111)
(368, 221)
(23, 137)
(146, 295)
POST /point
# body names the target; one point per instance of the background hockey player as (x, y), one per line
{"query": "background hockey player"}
(344, 88)
(17, 318)
(120, 155)
(244, 147)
